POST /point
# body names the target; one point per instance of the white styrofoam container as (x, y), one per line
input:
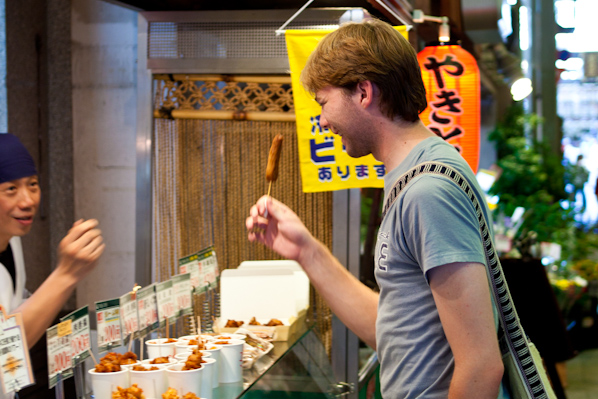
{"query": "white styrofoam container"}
(300, 284)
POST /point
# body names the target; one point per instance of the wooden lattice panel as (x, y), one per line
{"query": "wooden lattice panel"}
(223, 93)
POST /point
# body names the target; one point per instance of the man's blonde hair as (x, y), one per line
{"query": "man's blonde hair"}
(369, 50)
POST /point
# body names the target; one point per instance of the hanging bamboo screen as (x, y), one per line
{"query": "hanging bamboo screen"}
(212, 137)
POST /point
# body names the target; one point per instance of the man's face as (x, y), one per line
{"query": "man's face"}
(19, 200)
(343, 115)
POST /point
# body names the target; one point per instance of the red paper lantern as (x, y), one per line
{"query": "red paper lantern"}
(452, 80)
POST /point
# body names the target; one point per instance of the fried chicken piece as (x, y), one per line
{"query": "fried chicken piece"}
(233, 324)
(274, 322)
(111, 357)
(128, 358)
(193, 362)
(134, 392)
(171, 393)
(160, 360)
(254, 322)
(107, 367)
(139, 367)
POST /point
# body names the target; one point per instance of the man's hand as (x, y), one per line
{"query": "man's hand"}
(80, 249)
(275, 225)
(78, 254)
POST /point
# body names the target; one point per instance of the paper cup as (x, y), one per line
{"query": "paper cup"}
(153, 382)
(231, 356)
(184, 380)
(159, 348)
(202, 336)
(215, 352)
(171, 361)
(183, 347)
(103, 384)
(129, 366)
(207, 378)
(183, 356)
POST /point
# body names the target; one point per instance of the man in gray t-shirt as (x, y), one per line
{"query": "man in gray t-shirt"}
(432, 323)
(431, 224)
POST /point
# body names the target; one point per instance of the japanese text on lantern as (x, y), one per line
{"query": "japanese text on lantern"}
(451, 78)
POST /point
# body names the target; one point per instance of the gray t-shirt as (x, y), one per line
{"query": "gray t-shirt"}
(432, 223)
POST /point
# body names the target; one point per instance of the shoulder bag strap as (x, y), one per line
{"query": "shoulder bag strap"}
(512, 334)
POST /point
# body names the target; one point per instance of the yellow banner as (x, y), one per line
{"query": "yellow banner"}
(325, 166)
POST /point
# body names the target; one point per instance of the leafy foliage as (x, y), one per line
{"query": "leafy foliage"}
(531, 177)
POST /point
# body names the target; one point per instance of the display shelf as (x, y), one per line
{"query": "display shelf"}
(298, 367)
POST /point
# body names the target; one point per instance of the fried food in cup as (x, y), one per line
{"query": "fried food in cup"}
(133, 392)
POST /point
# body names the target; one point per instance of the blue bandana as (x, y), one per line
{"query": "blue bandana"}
(15, 160)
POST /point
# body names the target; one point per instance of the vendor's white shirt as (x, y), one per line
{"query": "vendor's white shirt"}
(10, 298)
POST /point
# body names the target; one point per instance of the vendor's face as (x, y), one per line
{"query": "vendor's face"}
(19, 200)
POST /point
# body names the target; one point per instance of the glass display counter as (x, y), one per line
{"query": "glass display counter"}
(297, 368)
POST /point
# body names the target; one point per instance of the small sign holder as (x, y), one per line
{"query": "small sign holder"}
(59, 387)
(80, 387)
(15, 365)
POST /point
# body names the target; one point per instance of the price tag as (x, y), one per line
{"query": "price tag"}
(109, 329)
(65, 328)
(166, 305)
(130, 318)
(80, 334)
(14, 360)
(147, 309)
(208, 265)
(190, 264)
(59, 356)
(182, 291)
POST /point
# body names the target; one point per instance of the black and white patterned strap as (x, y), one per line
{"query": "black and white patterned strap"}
(514, 339)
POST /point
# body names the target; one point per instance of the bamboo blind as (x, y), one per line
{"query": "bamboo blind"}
(207, 173)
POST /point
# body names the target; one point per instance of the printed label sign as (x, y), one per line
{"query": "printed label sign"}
(59, 355)
(166, 305)
(190, 264)
(147, 309)
(208, 265)
(129, 316)
(109, 330)
(182, 291)
(14, 360)
(80, 334)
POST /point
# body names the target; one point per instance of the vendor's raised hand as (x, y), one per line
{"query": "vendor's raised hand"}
(80, 249)
(275, 225)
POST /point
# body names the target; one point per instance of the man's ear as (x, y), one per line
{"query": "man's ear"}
(366, 90)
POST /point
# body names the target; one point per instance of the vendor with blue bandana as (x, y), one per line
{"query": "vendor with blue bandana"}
(78, 251)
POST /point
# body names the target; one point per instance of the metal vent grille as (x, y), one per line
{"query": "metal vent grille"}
(225, 40)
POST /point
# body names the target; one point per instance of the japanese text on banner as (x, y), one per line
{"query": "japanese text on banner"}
(324, 164)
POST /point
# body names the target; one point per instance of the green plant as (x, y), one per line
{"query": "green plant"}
(531, 177)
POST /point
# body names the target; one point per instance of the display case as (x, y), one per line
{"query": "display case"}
(298, 367)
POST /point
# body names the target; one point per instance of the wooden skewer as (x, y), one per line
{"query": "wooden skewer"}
(130, 342)
(93, 357)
